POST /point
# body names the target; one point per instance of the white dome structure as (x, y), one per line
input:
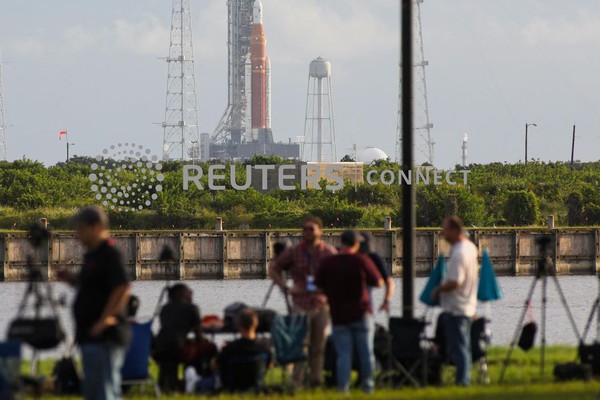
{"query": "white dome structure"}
(370, 154)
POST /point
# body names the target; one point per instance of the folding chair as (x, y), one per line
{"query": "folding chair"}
(287, 334)
(10, 370)
(411, 361)
(136, 368)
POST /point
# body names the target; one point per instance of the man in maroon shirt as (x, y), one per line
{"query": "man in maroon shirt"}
(301, 262)
(345, 279)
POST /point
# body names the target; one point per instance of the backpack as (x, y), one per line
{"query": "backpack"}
(66, 378)
(288, 333)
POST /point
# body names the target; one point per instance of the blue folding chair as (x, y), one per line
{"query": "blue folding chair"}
(136, 368)
(10, 369)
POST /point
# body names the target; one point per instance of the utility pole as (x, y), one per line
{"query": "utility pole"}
(573, 147)
(408, 190)
(3, 152)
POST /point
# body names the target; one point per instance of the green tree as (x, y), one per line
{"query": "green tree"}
(574, 209)
(521, 208)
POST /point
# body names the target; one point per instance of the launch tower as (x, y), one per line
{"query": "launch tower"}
(422, 126)
(245, 127)
(181, 137)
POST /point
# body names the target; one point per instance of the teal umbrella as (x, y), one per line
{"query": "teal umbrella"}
(488, 290)
(435, 279)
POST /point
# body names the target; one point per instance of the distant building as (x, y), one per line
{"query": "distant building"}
(370, 154)
(350, 172)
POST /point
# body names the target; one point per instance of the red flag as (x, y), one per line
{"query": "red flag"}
(60, 135)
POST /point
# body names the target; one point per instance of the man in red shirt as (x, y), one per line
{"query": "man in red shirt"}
(301, 262)
(345, 279)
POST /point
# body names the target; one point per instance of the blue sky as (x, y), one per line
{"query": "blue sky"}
(92, 67)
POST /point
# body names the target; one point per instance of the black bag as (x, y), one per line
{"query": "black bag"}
(527, 338)
(119, 334)
(265, 317)
(230, 315)
(589, 354)
(572, 371)
(41, 334)
(66, 378)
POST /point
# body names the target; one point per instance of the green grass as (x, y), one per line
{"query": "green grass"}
(522, 381)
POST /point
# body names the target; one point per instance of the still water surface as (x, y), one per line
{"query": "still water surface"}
(214, 296)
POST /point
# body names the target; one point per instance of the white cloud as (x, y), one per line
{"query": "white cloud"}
(210, 30)
(28, 47)
(146, 36)
(310, 27)
(582, 29)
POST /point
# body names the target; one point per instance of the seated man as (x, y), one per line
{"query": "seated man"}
(243, 362)
(179, 318)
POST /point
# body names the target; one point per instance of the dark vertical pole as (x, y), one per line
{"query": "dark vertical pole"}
(573, 147)
(67, 150)
(408, 191)
(526, 128)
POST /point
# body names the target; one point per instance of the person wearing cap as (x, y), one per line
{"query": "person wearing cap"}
(301, 262)
(103, 291)
(458, 297)
(345, 279)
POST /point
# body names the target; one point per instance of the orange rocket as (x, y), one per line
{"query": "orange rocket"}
(258, 59)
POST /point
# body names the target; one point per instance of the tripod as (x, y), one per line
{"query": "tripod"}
(41, 292)
(594, 311)
(545, 269)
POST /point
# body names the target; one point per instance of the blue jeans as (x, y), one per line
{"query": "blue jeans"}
(102, 369)
(457, 330)
(357, 335)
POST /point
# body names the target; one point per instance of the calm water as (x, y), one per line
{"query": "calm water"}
(214, 296)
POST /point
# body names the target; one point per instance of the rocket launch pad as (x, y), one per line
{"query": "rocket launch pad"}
(245, 128)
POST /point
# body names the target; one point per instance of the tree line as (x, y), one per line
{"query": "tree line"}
(497, 194)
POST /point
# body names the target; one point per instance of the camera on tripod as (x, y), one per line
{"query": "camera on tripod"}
(38, 331)
(525, 333)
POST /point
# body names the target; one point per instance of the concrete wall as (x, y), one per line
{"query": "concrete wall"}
(235, 255)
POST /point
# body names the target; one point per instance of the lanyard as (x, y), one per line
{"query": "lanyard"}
(312, 261)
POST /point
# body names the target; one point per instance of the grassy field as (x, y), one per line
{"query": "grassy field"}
(522, 381)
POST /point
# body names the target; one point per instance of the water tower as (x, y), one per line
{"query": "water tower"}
(319, 127)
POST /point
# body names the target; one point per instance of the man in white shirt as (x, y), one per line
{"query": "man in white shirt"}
(458, 297)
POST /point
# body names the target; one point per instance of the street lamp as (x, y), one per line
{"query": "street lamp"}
(526, 131)
(69, 145)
